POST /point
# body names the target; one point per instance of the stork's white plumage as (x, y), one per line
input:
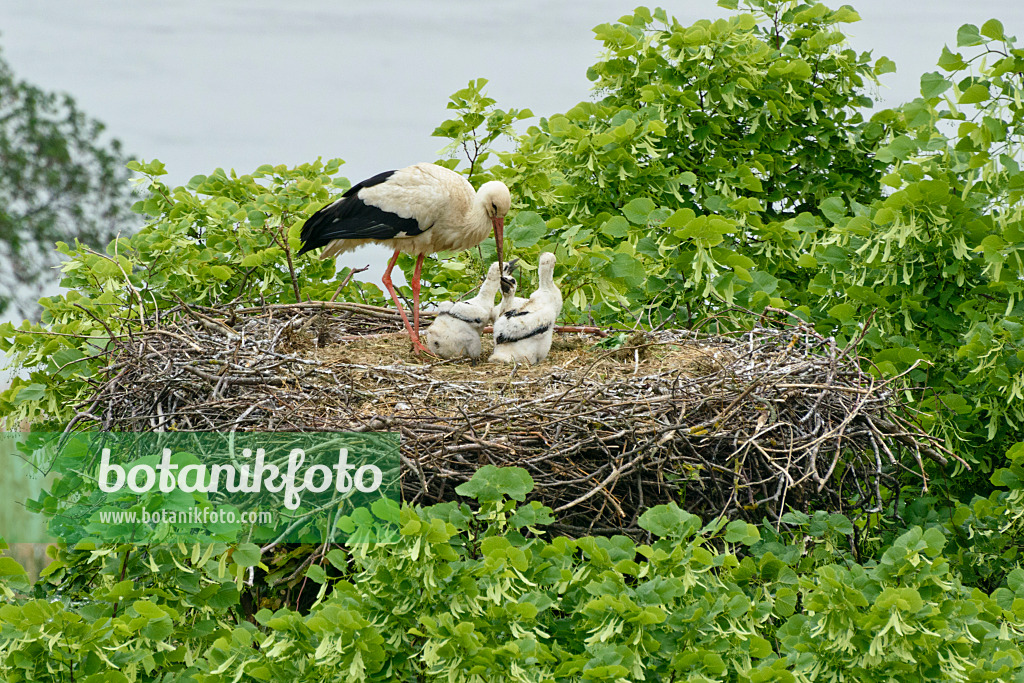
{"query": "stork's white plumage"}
(523, 332)
(508, 284)
(456, 330)
(420, 209)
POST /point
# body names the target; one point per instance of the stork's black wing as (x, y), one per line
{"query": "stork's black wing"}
(511, 336)
(352, 218)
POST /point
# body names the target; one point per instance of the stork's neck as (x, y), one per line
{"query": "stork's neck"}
(489, 287)
(547, 277)
(477, 215)
(507, 299)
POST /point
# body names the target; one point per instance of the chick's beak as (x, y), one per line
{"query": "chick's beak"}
(499, 239)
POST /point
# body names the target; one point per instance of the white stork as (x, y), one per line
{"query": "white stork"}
(420, 209)
(509, 300)
(456, 330)
(523, 331)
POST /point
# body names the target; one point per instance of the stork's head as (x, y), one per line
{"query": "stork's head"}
(497, 200)
(546, 261)
(494, 272)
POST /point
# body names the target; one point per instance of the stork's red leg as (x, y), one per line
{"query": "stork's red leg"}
(416, 296)
(413, 335)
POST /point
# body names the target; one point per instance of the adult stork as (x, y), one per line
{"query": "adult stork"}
(421, 209)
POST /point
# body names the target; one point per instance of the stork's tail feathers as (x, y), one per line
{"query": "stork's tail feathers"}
(311, 229)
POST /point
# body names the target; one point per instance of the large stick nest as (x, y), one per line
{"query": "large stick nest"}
(745, 424)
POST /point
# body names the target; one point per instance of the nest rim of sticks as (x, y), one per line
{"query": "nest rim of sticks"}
(746, 424)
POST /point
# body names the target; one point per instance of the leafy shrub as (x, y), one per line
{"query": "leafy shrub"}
(464, 594)
(218, 239)
(735, 162)
(726, 162)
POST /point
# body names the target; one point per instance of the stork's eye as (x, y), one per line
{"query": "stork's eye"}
(494, 207)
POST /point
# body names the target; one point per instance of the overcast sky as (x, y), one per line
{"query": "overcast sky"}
(201, 84)
(238, 83)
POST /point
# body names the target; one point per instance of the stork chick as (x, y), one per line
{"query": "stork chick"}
(508, 284)
(456, 330)
(523, 331)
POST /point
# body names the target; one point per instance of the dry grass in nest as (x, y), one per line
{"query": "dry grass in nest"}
(569, 353)
(744, 424)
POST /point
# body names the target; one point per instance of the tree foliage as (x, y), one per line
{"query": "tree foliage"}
(479, 593)
(220, 238)
(736, 162)
(730, 165)
(59, 180)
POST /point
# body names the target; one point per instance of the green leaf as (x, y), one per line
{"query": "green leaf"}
(222, 273)
(316, 573)
(901, 147)
(884, 216)
(951, 61)
(256, 218)
(975, 94)
(64, 363)
(834, 209)
(489, 483)
(933, 85)
(32, 392)
(527, 229)
(148, 609)
(846, 15)
(121, 589)
(638, 209)
(337, 559)
(10, 567)
(714, 663)
(968, 35)
(246, 555)
(738, 531)
(107, 677)
(706, 231)
(844, 313)
(800, 70)
(795, 517)
(559, 126)
(227, 596)
(884, 65)
(616, 226)
(680, 218)
(626, 269)
(993, 28)
(669, 521)
(158, 629)
(759, 647)
(935, 540)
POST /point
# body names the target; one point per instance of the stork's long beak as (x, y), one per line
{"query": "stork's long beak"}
(499, 239)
